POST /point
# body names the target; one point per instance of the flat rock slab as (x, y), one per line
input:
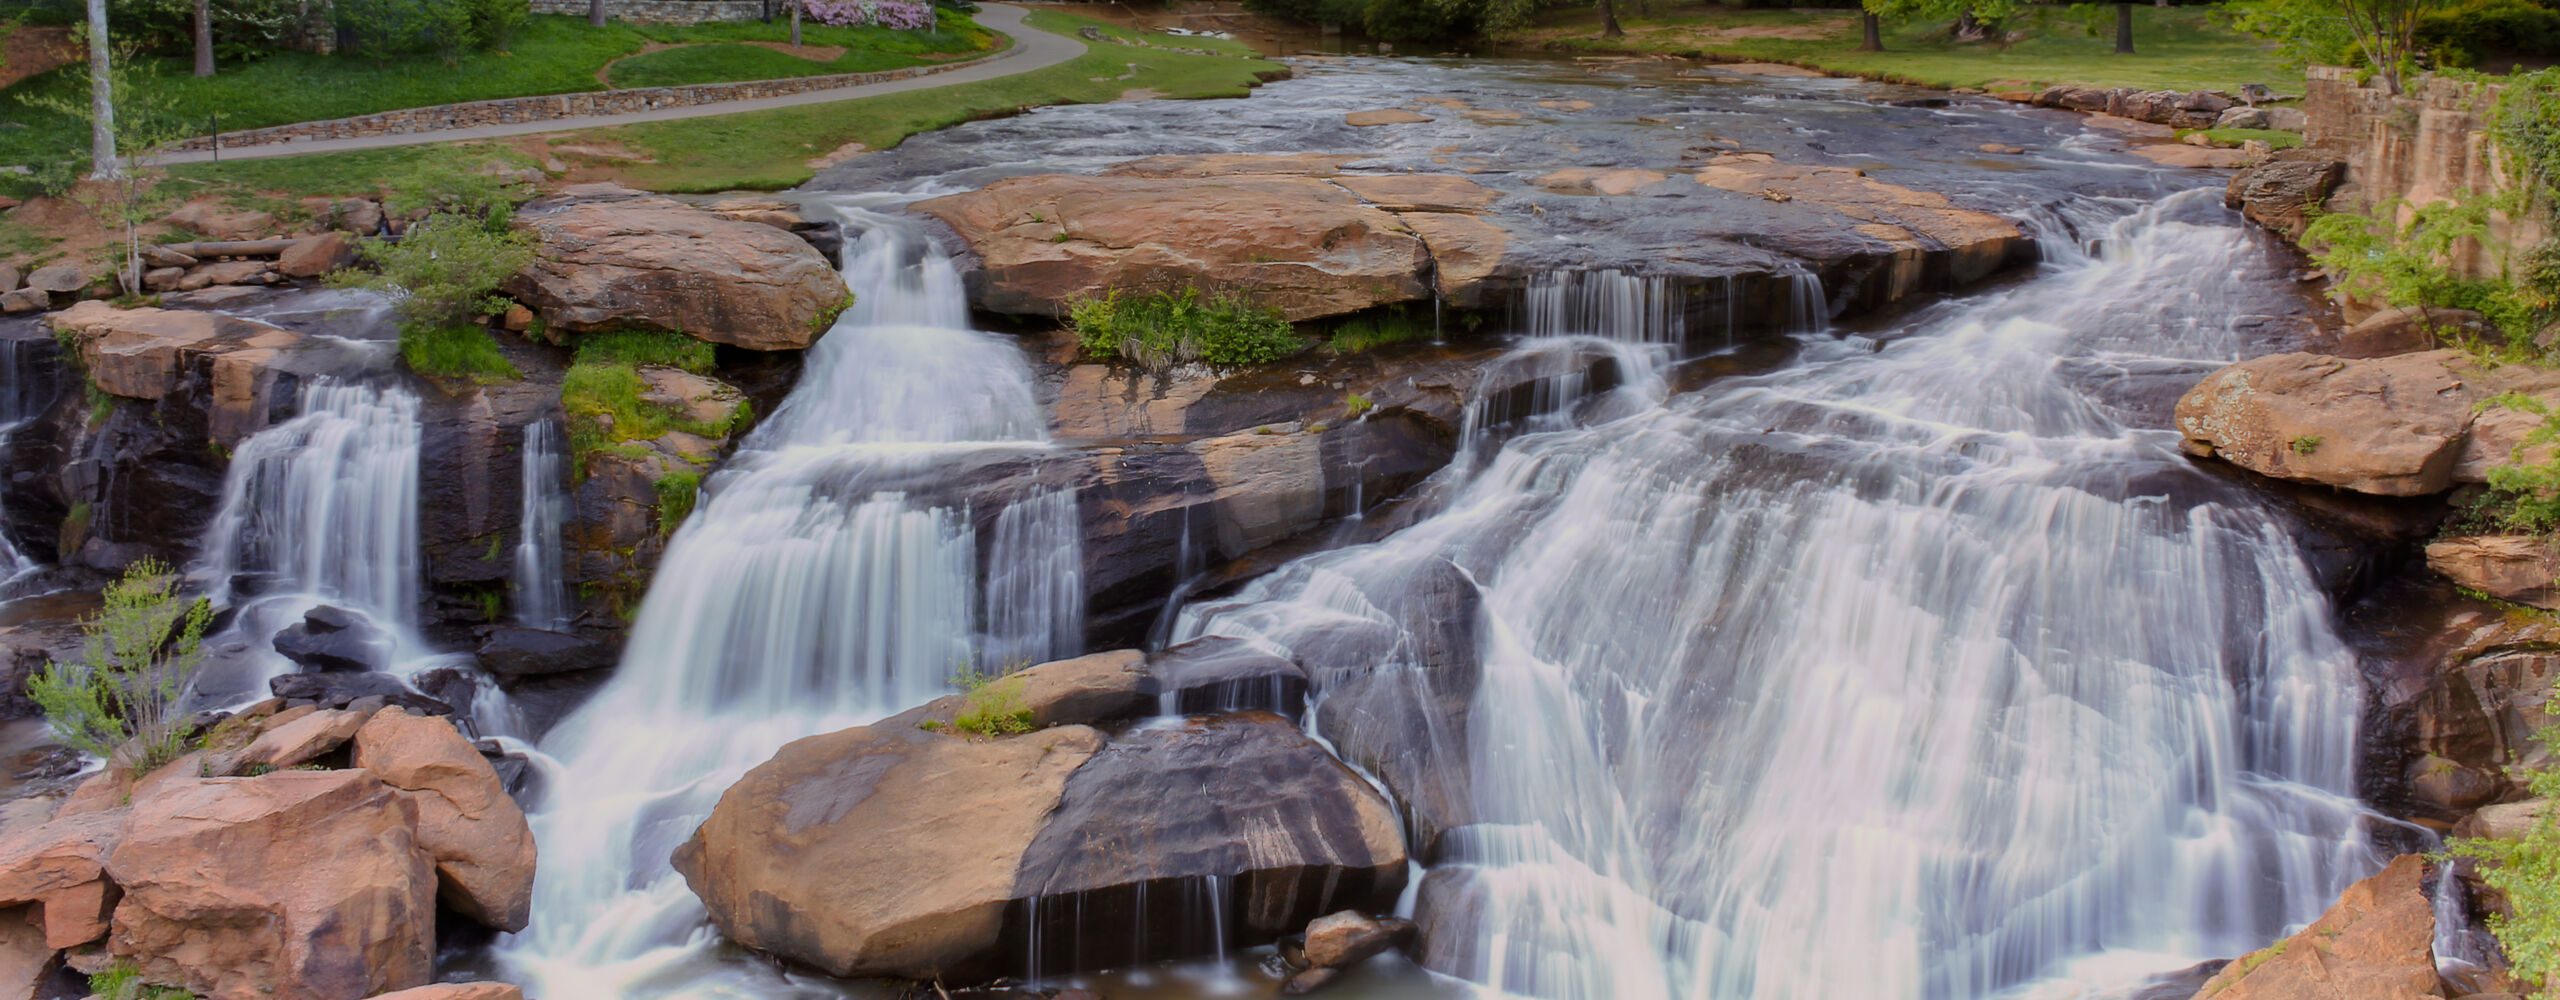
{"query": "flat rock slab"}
(1383, 116)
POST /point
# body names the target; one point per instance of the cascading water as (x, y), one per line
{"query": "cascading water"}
(320, 509)
(24, 393)
(1920, 672)
(833, 574)
(541, 589)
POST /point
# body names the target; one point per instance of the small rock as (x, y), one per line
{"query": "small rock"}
(2253, 118)
(328, 644)
(212, 221)
(483, 848)
(24, 300)
(1348, 938)
(160, 256)
(2505, 821)
(302, 739)
(59, 279)
(163, 279)
(361, 216)
(517, 318)
(2001, 149)
(342, 691)
(314, 256)
(228, 272)
(10, 277)
(2519, 568)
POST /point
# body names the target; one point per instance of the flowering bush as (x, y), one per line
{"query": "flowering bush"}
(901, 15)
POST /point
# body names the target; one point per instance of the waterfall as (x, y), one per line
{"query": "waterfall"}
(847, 563)
(25, 391)
(1609, 303)
(1922, 672)
(326, 504)
(541, 590)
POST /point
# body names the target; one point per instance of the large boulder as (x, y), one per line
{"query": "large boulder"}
(483, 848)
(2376, 943)
(2283, 191)
(296, 883)
(2391, 426)
(1299, 244)
(143, 353)
(1923, 227)
(608, 256)
(60, 867)
(511, 651)
(2519, 568)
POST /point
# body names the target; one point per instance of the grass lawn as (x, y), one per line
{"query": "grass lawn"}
(552, 55)
(2176, 48)
(720, 53)
(768, 150)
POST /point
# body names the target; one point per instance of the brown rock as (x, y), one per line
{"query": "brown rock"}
(361, 216)
(692, 398)
(1341, 940)
(517, 318)
(1909, 223)
(313, 256)
(10, 277)
(458, 991)
(1599, 180)
(880, 851)
(608, 256)
(24, 300)
(161, 256)
(2391, 426)
(2519, 568)
(297, 883)
(1465, 252)
(59, 279)
(2403, 330)
(26, 960)
(2181, 155)
(1419, 192)
(1232, 165)
(1298, 244)
(1383, 116)
(212, 221)
(294, 740)
(227, 272)
(1086, 690)
(2001, 149)
(2505, 821)
(162, 279)
(482, 846)
(139, 353)
(61, 867)
(2281, 192)
(2376, 943)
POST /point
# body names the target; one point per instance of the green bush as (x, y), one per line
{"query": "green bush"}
(2527, 872)
(602, 392)
(1373, 330)
(464, 351)
(2412, 264)
(1159, 330)
(443, 28)
(122, 980)
(143, 646)
(445, 270)
(2527, 127)
(2464, 34)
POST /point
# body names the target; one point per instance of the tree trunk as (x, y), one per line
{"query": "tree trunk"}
(1609, 20)
(2124, 29)
(1871, 32)
(595, 13)
(102, 104)
(795, 23)
(204, 37)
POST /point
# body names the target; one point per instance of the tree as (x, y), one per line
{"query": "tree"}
(2124, 28)
(795, 23)
(2383, 34)
(1870, 31)
(204, 37)
(1973, 18)
(1609, 20)
(121, 696)
(595, 13)
(102, 99)
(128, 109)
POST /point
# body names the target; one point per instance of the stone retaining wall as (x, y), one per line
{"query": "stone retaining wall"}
(533, 109)
(661, 11)
(2430, 144)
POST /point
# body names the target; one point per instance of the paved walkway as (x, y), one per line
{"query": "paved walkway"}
(1032, 49)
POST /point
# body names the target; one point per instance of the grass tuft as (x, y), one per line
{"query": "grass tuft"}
(460, 352)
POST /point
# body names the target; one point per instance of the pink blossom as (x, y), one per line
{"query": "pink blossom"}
(900, 15)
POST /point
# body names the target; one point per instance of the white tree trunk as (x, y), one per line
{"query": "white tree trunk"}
(102, 104)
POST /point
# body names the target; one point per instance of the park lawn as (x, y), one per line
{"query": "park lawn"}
(2175, 48)
(721, 53)
(763, 150)
(552, 54)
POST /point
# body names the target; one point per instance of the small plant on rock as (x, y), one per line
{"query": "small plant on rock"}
(122, 980)
(1159, 330)
(2527, 872)
(991, 706)
(121, 696)
(445, 272)
(2306, 445)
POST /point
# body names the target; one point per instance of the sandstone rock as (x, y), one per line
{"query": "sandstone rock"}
(1383, 116)
(59, 279)
(2288, 119)
(162, 279)
(2249, 118)
(1419, 192)
(214, 222)
(458, 991)
(313, 256)
(161, 256)
(2401, 330)
(2281, 192)
(26, 960)
(608, 256)
(2450, 786)
(1465, 253)
(697, 399)
(1341, 940)
(139, 353)
(2390, 426)
(2519, 568)
(880, 851)
(1301, 245)
(1907, 222)
(2506, 821)
(297, 883)
(302, 739)
(483, 848)
(24, 300)
(361, 216)
(60, 866)
(2001, 149)
(2188, 157)
(228, 272)
(1086, 690)
(517, 318)
(2376, 943)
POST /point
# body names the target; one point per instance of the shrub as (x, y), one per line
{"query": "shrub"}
(122, 980)
(2306, 444)
(439, 188)
(445, 270)
(2412, 264)
(1371, 331)
(992, 706)
(143, 646)
(2527, 872)
(677, 492)
(1159, 330)
(465, 351)
(2465, 33)
(442, 28)
(2527, 127)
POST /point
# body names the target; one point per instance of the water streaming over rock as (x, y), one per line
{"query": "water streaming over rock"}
(1916, 671)
(843, 565)
(26, 388)
(541, 589)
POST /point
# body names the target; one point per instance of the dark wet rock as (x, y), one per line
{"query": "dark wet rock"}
(1219, 674)
(339, 690)
(333, 639)
(2197, 109)
(2520, 568)
(515, 651)
(2460, 688)
(1396, 703)
(20, 662)
(2282, 192)
(617, 529)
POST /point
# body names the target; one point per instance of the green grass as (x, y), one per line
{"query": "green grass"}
(366, 172)
(1221, 46)
(2176, 48)
(1371, 331)
(552, 54)
(1159, 330)
(2235, 136)
(602, 389)
(677, 492)
(867, 49)
(770, 150)
(455, 352)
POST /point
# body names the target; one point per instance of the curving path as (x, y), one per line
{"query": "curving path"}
(1032, 49)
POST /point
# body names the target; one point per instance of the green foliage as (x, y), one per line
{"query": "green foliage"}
(1159, 330)
(122, 980)
(646, 347)
(243, 30)
(2527, 128)
(991, 706)
(1373, 330)
(445, 270)
(677, 492)
(2305, 31)
(1354, 404)
(476, 194)
(723, 51)
(2527, 872)
(2229, 137)
(143, 646)
(603, 388)
(2522, 497)
(2381, 34)
(2306, 445)
(2411, 264)
(457, 351)
(2469, 32)
(445, 29)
